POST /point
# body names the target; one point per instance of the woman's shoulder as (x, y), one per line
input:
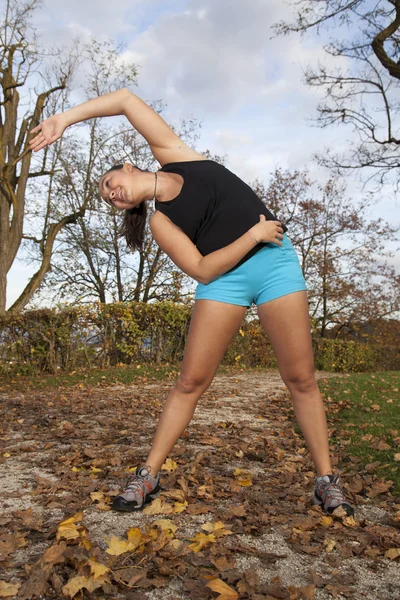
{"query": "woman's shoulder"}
(200, 164)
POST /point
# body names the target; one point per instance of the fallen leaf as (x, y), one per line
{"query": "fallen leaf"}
(158, 507)
(8, 589)
(222, 588)
(392, 553)
(79, 582)
(55, 554)
(329, 544)
(200, 541)
(169, 465)
(117, 546)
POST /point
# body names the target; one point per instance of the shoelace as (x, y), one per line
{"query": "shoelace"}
(333, 488)
(135, 482)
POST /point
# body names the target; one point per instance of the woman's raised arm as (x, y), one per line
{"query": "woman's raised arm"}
(165, 145)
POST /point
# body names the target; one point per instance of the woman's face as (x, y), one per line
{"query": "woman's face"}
(116, 187)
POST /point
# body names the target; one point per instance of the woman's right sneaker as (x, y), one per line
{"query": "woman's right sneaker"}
(141, 488)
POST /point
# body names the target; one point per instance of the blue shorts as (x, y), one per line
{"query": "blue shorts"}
(272, 272)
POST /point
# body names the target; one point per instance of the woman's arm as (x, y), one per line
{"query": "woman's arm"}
(204, 269)
(165, 145)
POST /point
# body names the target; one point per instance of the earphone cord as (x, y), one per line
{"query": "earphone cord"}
(155, 185)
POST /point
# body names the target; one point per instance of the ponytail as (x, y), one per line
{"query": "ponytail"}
(134, 223)
(133, 226)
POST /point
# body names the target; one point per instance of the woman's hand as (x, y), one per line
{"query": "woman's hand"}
(267, 231)
(48, 132)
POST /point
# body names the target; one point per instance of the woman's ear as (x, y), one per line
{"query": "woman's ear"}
(128, 167)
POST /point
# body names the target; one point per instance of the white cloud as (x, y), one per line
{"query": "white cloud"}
(215, 60)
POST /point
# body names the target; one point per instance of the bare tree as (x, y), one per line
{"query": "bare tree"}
(92, 261)
(360, 80)
(20, 61)
(342, 253)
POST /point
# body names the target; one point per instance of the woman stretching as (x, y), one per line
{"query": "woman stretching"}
(217, 231)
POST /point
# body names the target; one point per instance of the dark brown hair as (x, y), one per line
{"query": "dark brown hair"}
(134, 223)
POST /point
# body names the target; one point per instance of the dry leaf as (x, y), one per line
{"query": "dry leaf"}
(79, 582)
(97, 569)
(169, 465)
(392, 553)
(330, 544)
(68, 529)
(166, 525)
(200, 541)
(326, 520)
(226, 592)
(7, 590)
(54, 555)
(117, 546)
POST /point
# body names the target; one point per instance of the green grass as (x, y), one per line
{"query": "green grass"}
(363, 405)
(125, 374)
(352, 402)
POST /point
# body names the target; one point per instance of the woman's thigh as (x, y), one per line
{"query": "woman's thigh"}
(286, 322)
(212, 326)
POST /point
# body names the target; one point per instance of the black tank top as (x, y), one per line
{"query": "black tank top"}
(214, 207)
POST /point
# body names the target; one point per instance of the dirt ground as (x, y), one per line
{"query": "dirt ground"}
(240, 470)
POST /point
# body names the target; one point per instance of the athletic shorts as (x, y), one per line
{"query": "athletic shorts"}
(272, 272)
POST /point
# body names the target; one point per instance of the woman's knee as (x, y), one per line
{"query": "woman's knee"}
(190, 384)
(301, 382)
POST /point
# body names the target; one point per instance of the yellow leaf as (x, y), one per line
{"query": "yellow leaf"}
(200, 541)
(6, 455)
(8, 589)
(239, 471)
(68, 529)
(392, 553)
(95, 470)
(245, 482)
(175, 544)
(243, 477)
(135, 536)
(219, 528)
(330, 544)
(222, 588)
(117, 546)
(75, 469)
(169, 465)
(397, 456)
(326, 521)
(349, 521)
(158, 507)
(166, 525)
(179, 506)
(97, 569)
(79, 582)
(97, 496)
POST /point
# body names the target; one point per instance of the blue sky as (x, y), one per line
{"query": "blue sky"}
(216, 60)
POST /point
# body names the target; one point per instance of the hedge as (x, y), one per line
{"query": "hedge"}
(101, 335)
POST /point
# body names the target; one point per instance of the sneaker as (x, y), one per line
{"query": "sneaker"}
(141, 488)
(329, 494)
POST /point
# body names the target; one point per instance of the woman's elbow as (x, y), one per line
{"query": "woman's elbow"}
(201, 278)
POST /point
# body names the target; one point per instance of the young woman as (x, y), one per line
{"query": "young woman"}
(215, 229)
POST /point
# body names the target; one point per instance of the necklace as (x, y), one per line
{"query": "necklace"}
(155, 185)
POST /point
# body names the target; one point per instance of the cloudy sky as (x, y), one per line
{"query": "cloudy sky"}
(218, 61)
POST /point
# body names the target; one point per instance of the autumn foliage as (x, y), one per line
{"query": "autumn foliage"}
(103, 335)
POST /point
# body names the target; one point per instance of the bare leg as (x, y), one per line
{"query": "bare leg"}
(286, 322)
(212, 326)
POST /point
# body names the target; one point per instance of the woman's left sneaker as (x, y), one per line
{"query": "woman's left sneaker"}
(141, 489)
(329, 495)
